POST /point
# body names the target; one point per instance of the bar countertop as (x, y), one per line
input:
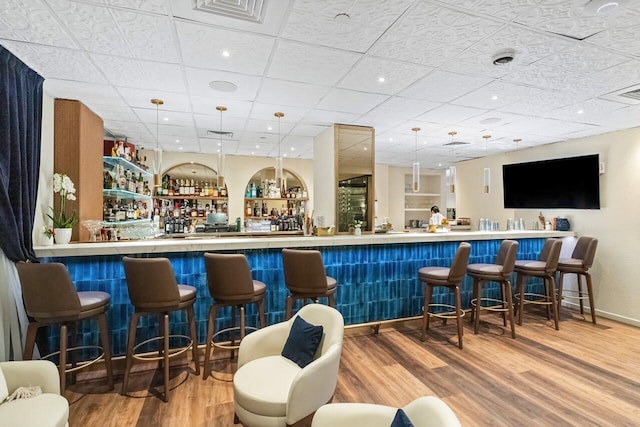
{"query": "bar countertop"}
(195, 242)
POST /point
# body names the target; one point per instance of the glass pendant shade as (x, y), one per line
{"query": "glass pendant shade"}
(157, 164)
(221, 157)
(415, 177)
(486, 180)
(279, 163)
(452, 179)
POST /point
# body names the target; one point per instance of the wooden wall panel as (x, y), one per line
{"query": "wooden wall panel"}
(78, 141)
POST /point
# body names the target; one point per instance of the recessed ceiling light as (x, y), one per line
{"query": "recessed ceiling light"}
(225, 53)
(269, 128)
(177, 140)
(601, 7)
(391, 139)
(293, 149)
(439, 164)
(580, 111)
(490, 120)
(223, 86)
(180, 148)
(166, 119)
(494, 97)
(381, 79)
(284, 155)
(257, 146)
(191, 162)
(365, 148)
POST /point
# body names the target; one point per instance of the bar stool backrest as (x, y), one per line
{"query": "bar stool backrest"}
(151, 283)
(48, 292)
(228, 276)
(585, 250)
(304, 271)
(550, 254)
(506, 256)
(458, 267)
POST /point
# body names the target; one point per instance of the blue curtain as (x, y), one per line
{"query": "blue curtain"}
(20, 125)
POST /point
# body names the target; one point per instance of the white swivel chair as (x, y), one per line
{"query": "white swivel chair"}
(426, 411)
(271, 390)
(47, 409)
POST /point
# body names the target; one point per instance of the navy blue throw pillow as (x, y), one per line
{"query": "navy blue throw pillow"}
(401, 420)
(302, 342)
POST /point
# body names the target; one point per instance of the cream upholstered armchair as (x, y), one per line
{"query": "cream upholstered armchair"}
(270, 389)
(426, 411)
(46, 409)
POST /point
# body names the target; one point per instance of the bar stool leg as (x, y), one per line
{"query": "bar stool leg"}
(425, 315)
(590, 290)
(332, 301)
(210, 330)
(165, 350)
(63, 358)
(30, 341)
(560, 283)
(579, 277)
(194, 338)
(503, 291)
(554, 304)
(261, 316)
(71, 327)
(133, 325)
(106, 348)
(478, 291)
(547, 290)
(510, 308)
(459, 315)
(520, 288)
(289, 308)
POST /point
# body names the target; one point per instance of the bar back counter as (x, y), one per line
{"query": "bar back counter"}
(377, 274)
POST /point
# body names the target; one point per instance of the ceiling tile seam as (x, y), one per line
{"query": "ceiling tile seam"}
(118, 7)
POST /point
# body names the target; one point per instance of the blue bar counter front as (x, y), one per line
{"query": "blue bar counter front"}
(376, 282)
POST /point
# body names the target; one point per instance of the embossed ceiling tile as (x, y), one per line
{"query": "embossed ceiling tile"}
(449, 114)
(416, 50)
(155, 6)
(183, 133)
(619, 76)
(124, 129)
(496, 119)
(31, 21)
(55, 62)
(290, 93)
(100, 94)
(326, 117)
(147, 36)
(314, 22)
(397, 75)
(202, 47)
(110, 112)
(141, 98)
(585, 112)
(405, 108)
(93, 26)
(308, 130)
(442, 86)
(208, 104)
(503, 9)
(620, 39)
(140, 74)
(350, 101)
(310, 64)
(265, 112)
(504, 94)
(583, 57)
(262, 126)
(166, 118)
(212, 122)
(622, 118)
(559, 79)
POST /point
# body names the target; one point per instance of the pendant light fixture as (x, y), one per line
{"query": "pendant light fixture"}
(416, 166)
(221, 158)
(279, 165)
(157, 167)
(486, 173)
(452, 168)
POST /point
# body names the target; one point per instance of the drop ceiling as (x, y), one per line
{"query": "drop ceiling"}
(321, 62)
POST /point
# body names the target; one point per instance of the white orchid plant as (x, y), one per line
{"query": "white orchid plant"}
(62, 184)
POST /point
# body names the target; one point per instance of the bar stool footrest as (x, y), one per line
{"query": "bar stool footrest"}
(83, 363)
(173, 352)
(542, 299)
(232, 329)
(496, 307)
(446, 314)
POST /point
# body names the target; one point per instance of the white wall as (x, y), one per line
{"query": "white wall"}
(324, 170)
(616, 224)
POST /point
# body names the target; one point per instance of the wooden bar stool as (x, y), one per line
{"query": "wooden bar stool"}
(305, 277)
(51, 298)
(500, 271)
(451, 278)
(579, 264)
(153, 290)
(545, 268)
(230, 285)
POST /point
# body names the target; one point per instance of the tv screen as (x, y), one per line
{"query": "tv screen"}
(572, 182)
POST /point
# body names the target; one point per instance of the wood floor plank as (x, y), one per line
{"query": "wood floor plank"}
(581, 375)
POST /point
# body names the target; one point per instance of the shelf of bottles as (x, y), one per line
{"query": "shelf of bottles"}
(269, 208)
(126, 191)
(183, 203)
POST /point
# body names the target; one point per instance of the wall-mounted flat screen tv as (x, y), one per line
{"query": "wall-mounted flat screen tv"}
(572, 182)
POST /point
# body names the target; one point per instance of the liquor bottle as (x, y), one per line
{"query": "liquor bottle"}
(249, 210)
(247, 193)
(215, 192)
(265, 211)
(256, 209)
(192, 188)
(253, 190)
(140, 187)
(223, 191)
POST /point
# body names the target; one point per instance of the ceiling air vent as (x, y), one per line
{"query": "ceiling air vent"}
(455, 143)
(633, 94)
(628, 95)
(248, 10)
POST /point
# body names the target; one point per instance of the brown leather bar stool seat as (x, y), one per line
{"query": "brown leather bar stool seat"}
(51, 298)
(500, 271)
(579, 264)
(230, 285)
(306, 278)
(153, 290)
(544, 267)
(451, 278)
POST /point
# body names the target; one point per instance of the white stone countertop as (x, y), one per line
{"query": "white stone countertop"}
(193, 243)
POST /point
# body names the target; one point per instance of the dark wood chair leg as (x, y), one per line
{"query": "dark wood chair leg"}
(459, 315)
(194, 338)
(591, 304)
(510, 307)
(131, 340)
(63, 358)
(165, 356)
(106, 347)
(207, 351)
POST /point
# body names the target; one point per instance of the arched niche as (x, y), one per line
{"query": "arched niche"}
(292, 182)
(204, 178)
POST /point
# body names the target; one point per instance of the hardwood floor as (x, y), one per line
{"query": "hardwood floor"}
(582, 375)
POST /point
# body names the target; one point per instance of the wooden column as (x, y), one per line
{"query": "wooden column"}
(78, 145)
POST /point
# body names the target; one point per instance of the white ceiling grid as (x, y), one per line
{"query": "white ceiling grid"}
(320, 63)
